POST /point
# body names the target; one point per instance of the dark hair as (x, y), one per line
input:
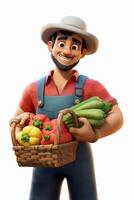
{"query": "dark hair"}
(69, 33)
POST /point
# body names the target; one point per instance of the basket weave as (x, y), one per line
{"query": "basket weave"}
(52, 155)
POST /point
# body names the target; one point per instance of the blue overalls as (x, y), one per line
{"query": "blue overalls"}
(47, 181)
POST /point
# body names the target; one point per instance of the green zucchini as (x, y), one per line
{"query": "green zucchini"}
(85, 103)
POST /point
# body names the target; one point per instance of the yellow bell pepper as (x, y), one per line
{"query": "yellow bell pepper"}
(30, 135)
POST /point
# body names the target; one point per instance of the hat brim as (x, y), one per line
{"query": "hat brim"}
(90, 39)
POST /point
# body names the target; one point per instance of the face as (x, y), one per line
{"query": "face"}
(67, 50)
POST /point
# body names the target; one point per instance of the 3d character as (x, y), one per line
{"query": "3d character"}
(68, 41)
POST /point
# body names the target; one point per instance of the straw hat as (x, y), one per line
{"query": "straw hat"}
(73, 24)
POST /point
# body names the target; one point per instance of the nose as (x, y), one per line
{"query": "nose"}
(67, 50)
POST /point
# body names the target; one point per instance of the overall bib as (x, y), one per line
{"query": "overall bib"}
(47, 181)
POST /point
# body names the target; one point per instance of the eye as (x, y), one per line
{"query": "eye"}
(75, 47)
(61, 44)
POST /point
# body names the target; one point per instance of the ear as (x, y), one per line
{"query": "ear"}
(50, 45)
(83, 53)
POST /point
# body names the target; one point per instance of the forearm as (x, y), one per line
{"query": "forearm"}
(113, 123)
(18, 112)
(21, 116)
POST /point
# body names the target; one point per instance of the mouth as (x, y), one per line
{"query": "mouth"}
(66, 58)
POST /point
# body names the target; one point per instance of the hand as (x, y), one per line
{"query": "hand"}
(21, 119)
(85, 133)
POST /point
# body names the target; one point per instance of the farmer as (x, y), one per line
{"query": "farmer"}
(68, 41)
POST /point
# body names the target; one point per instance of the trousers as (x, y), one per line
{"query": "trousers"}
(47, 182)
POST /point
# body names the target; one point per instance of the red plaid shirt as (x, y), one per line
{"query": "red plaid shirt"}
(28, 102)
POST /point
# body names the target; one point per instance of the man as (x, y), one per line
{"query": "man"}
(68, 42)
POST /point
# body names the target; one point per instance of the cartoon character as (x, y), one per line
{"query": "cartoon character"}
(68, 41)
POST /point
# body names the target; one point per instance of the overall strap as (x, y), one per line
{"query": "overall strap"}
(40, 89)
(79, 88)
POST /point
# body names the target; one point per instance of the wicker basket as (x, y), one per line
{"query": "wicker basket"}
(52, 155)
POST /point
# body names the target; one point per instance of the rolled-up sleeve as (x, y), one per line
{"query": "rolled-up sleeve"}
(95, 88)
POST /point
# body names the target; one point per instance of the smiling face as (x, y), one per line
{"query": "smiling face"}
(66, 50)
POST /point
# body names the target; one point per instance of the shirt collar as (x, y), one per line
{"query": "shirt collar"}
(75, 75)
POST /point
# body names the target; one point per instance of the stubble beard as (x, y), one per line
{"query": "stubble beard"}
(61, 66)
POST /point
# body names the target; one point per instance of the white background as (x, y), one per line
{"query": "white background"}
(24, 58)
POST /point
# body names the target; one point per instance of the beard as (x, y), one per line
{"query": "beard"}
(61, 66)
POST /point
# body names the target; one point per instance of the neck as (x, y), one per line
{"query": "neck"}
(61, 78)
(58, 74)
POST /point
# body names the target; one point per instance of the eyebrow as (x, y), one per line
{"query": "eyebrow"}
(62, 38)
(76, 40)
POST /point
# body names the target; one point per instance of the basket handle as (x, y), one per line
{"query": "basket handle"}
(59, 122)
(14, 130)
